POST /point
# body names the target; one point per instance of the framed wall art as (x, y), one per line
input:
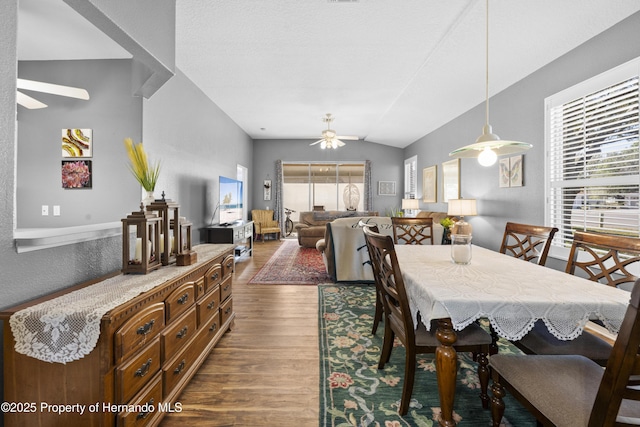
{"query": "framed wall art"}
(76, 174)
(429, 184)
(386, 188)
(77, 142)
(267, 189)
(510, 170)
(451, 180)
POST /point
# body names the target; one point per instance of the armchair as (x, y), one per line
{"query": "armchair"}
(264, 223)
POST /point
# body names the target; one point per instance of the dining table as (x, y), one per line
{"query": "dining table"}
(511, 293)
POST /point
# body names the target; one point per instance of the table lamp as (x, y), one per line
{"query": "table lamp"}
(462, 208)
(410, 204)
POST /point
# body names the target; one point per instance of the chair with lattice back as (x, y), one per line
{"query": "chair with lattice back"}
(527, 242)
(412, 231)
(602, 258)
(399, 321)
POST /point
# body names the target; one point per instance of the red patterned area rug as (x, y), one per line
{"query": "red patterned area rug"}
(292, 264)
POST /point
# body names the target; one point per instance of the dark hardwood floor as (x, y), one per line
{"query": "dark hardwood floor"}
(265, 371)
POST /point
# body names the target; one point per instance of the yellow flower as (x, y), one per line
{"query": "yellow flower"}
(147, 176)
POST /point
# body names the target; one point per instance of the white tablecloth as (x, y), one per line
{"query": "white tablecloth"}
(511, 293)
(67, 328)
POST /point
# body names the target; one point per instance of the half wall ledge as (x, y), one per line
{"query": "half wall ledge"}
(33, 239)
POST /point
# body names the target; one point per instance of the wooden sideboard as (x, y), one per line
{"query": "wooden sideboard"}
(148, 350)
(240, 232)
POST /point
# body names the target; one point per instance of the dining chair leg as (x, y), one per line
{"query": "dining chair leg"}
(483, 375)
(387, 346)
(497, 404)
(409, 377)
(377, 317)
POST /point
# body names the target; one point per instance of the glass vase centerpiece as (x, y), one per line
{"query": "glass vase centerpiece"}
(461, 231)
(144, 172)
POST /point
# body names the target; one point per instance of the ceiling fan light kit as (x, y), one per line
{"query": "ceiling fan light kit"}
(329, 137)
(489, 146)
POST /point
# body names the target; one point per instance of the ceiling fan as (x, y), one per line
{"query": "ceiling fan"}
(329, 137)
(32, 103)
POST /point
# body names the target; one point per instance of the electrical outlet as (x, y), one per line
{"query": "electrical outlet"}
(56, 210)
(45, 210)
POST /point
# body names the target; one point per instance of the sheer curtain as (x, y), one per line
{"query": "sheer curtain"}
(368, 195)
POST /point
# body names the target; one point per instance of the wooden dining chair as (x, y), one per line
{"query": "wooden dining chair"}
(379, 308)
(399, 322)
(412, 231)
(601, 258)
(528, 242)
(571, 390)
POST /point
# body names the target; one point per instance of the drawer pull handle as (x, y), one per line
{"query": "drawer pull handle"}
(183, 299)
(211, 305)
(146, 328)
(180, 367)
(213, 327)
(183, 332)
(228, 310)
(215, 276)
(144, 369)
(143, 415)
(226, 288)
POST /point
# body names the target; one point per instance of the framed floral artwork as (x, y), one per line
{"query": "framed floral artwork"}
(429, 184)
(77, 142)
(76, 174)
(386, 188)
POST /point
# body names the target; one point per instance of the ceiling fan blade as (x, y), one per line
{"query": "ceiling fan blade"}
(317, 142)
(338, 142)
(29, 102)
(348, 138)
(71, 92)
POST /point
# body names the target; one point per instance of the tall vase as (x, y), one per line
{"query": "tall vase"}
(148, 199)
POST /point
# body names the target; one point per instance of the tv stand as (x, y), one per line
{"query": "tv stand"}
(239, 233)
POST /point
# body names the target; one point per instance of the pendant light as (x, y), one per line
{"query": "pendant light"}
(489, 146)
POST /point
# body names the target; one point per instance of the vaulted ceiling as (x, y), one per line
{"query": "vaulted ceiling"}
(389, 71)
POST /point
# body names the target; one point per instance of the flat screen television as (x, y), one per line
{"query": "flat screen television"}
(231, 208)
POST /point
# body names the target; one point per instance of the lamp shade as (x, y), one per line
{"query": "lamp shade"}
(411, 204)
(462, 207)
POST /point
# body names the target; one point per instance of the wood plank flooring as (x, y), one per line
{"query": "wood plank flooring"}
(265, 371)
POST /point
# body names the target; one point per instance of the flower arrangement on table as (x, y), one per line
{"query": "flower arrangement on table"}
(146, 174)
(446, 223)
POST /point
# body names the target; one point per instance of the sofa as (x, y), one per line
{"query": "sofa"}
(311, 225)
(344, 250)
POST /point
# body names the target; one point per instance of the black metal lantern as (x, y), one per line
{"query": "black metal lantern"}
(168, 211)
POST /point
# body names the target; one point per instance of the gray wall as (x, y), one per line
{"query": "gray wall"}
(387, 164)
(518, 113)
(112, 113)
(197, 143)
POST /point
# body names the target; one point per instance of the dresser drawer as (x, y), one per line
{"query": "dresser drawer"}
(178, 334)
(148, 400)
(179, 367)
(134, 374)
(212, 277)
(228, 265)
(226, 310)
(180, 300)
(208, 331)
(208, 306)
(225, 289)
(138, 331)
(200, 288)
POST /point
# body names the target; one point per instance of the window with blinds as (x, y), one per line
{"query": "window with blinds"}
(593, 161)
(411, 178)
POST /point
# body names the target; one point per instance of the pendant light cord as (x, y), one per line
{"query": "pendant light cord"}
(487, 68)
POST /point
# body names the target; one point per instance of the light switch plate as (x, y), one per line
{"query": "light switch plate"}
(45, 210)
(56, 210)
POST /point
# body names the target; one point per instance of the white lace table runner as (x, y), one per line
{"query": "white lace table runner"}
(511, 293)
(67, 328)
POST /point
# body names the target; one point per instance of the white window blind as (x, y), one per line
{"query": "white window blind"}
(593, 163)
(411, 178)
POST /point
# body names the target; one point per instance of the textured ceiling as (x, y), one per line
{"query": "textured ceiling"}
(389, 71)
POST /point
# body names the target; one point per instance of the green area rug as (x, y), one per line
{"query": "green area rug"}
(353, 392)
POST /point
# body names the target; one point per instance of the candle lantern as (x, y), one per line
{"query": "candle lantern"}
(140, 242)
(168, 211)
(187, 255)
